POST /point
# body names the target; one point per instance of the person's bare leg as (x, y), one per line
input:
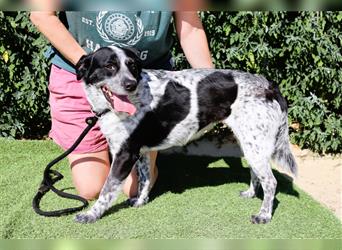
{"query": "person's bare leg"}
(89, 172)
(130, 187)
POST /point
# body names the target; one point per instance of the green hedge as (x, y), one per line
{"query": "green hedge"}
(23, 72)
(301, 51)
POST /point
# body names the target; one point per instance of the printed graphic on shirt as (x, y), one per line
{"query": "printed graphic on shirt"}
(149, 32)
(119, 29)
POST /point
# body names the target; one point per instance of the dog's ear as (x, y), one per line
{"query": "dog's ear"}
(133, 52)
(83, 66)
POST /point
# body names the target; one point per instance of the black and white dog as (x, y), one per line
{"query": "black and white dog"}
(175, 107)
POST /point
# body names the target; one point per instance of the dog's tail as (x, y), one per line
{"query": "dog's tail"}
(282, 154)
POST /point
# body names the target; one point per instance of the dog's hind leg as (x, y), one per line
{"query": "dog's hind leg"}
(259, 162)
(253, 187)
(143, 171)
(268, 182)
(255, 128)
(258, 155)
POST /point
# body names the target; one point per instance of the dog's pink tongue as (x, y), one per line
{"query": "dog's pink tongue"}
(122, 104)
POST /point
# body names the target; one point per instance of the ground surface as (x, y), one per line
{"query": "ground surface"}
(320, 176)
(195, 197)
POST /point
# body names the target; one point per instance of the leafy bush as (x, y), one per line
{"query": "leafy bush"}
(301, 51)
(23, 78)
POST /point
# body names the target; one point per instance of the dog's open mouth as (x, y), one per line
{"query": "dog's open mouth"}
(108, 94)
(118, 102)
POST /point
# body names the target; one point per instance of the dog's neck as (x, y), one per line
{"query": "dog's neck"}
(101, 113)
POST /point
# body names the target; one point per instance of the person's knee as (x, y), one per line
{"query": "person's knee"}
(130, 189)
(89, 173)
(89, 192)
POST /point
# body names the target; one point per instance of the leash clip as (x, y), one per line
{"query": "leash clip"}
(91, 120)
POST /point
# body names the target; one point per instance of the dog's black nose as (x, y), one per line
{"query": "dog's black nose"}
(130, 85)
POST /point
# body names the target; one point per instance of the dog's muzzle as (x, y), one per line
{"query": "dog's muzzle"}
(130, 85)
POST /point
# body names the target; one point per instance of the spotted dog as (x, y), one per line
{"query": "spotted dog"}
(175, 107)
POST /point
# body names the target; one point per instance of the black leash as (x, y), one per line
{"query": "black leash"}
(52, 176)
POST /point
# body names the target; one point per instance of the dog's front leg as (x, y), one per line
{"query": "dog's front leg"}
(121, 166)
(109, 193)
(144, 180)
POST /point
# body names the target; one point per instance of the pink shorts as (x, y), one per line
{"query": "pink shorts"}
(69, 109)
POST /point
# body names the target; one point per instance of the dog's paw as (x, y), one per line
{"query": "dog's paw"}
(85, 217)
(135, 202)
(247, 194)
(131, 201)
(260, 219)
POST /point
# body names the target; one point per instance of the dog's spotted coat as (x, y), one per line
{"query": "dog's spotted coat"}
(173, 108)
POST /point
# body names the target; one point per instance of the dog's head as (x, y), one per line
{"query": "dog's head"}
(113, 70)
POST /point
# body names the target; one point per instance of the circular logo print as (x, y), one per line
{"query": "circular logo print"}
(119, 29)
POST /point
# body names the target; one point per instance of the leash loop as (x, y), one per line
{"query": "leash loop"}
(52, 176)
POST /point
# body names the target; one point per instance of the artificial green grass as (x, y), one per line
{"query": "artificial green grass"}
(195, 197)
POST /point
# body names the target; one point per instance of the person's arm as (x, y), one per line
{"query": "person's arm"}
(193, 39)
(54, 30)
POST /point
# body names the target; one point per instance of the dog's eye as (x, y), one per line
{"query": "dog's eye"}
(111, 67)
